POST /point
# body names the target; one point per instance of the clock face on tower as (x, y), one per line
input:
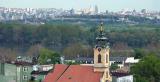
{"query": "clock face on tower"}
(99, 49)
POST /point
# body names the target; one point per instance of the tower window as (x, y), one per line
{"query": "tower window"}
(99, 58)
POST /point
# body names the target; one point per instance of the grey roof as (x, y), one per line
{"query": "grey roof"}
(118, 74)
(119, 59)
(84, 59)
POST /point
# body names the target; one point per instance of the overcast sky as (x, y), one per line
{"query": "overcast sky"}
(111, 5)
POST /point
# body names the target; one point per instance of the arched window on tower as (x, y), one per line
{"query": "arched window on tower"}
(99, 58)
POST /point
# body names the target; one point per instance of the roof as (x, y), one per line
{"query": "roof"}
(39, 72)
(124, 69)
(22, 63)
(84, 59)
(119, 59)
(73, 73)
(119, 74)
(131, 60)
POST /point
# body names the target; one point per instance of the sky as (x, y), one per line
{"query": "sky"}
(111, 5)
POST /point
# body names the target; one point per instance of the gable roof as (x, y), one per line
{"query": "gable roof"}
(73, 73)
(56, 73)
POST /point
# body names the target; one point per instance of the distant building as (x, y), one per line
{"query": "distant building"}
(130, 61)
(24, 59)
(120, 61)
(84, 60)
(40, 71)
(72, 11)
(96, 10)
(38, 76)
(43, 67)
(143, 11)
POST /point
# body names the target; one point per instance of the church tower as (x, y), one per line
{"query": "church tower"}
(101, 55)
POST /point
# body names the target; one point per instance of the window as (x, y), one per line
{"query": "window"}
(99, 58)
(25, 77)
(25, 69)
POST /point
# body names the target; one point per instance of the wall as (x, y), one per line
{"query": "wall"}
(125, 79)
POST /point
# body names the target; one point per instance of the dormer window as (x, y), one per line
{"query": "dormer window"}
(99, 58)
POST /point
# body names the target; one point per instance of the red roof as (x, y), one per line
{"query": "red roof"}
(73, 73)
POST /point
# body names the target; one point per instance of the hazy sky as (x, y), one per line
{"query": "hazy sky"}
(79, 4)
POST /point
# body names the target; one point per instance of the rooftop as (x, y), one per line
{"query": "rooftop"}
(119, 74)
(73, 73)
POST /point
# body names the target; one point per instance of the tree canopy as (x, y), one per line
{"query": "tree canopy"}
(48, 57)
(64, 37)
(148, 69)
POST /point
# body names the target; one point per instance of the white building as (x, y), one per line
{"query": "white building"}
(122, 77)
(42, 67)
(122, 61)
(131, 60)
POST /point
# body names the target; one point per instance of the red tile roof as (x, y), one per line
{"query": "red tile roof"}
(73, 73)
(56, 73)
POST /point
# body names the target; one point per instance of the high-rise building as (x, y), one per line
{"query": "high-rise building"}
(96, 9)
(72, 11)
(144, 11)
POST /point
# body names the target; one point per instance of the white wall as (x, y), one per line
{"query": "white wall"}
(125, 79)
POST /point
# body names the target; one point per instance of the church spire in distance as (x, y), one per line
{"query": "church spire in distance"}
(101, 40)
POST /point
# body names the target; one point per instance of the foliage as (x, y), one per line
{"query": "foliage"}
(140, 79)
(114, 66)
(64, 37)
(72, 63)
(77, 49)
(139, 53)
(147, 69)
(48, 57)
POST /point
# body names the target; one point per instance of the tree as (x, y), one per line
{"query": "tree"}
(139, 53)
(7, 54)
(48, 57)
(114, 66)
(147, 70)
(77, 49)
(34, 50)
(72, 63)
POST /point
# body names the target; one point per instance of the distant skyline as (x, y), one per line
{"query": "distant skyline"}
(103, 5)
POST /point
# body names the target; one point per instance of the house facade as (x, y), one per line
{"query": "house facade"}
(15, 72)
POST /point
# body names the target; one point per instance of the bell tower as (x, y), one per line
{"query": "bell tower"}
(101, 55)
